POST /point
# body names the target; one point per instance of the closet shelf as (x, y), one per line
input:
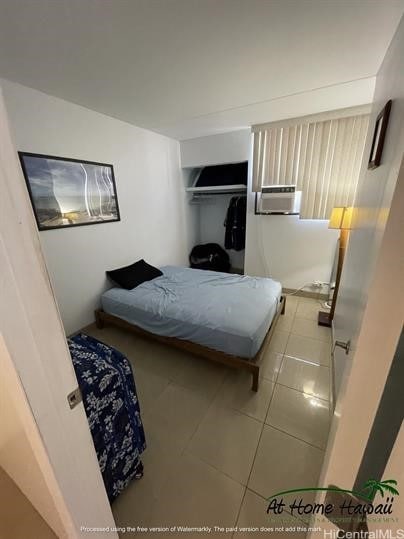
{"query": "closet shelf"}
(218, 189)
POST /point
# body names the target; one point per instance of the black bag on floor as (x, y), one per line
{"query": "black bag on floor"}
(209, 256)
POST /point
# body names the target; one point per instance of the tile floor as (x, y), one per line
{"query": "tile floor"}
(216, 450)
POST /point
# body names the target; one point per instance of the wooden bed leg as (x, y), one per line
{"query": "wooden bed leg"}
(284, 305)
(99, 322)
(255, 380)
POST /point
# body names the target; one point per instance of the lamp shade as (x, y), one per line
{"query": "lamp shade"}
(336, 218)
(341, 218)
(347, 219)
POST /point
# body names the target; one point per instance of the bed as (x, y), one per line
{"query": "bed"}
(223, 317)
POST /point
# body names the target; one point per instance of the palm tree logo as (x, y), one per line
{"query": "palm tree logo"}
(368, 492)
(373, 487)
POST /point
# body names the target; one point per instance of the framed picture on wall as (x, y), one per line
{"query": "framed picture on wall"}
(69, 192)
(379, 135)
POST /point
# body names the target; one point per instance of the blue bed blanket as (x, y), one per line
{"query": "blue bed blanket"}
(226, 312)
(109, 395)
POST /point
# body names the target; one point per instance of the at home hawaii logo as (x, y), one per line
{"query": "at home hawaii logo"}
(358, 503)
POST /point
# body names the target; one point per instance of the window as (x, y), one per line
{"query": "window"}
(321, 154)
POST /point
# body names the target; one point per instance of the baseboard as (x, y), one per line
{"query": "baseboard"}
(306, 294)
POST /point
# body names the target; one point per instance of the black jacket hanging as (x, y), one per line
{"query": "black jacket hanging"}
(235, 224)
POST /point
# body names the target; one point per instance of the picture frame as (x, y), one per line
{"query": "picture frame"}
(379, 135)
(68, 192)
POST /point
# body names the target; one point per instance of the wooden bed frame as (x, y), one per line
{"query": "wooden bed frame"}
(252, 365)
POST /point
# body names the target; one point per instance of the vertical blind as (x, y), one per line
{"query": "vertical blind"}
(322, 158)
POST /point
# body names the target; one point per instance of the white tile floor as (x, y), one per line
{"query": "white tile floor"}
(216, 449)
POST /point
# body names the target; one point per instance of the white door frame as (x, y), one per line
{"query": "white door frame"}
(366, 376)
(33, 334)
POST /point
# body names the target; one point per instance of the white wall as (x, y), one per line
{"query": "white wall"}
(192, 213)
(229, 147)
(150, 191)
(291, 250)
(286, 248)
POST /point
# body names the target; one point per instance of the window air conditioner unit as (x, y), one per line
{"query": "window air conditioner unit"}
(279, 199)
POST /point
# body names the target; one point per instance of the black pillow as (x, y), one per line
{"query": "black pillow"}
(132, 276)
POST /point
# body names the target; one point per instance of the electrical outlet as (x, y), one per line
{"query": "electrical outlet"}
(319, 284)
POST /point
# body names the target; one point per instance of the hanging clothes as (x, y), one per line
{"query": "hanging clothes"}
(235, 224)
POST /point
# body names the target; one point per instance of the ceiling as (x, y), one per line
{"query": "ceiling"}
(188, 68)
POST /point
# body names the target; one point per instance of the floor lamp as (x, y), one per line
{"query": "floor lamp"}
(341, 219)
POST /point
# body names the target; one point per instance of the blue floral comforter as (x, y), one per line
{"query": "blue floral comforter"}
(109, 395)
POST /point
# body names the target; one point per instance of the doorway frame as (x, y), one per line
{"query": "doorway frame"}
(35, 339)
(356, 406)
